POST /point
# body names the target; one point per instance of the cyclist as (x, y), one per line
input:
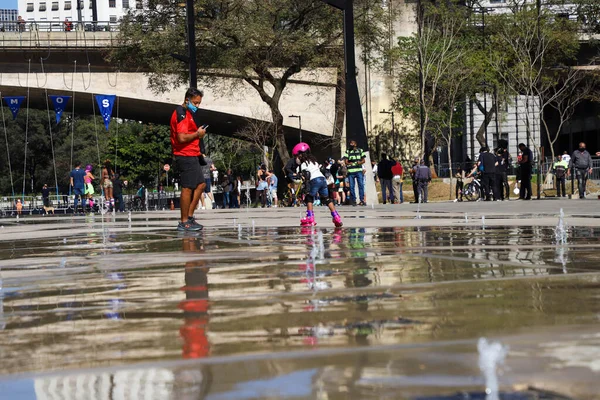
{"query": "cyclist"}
(476, 175)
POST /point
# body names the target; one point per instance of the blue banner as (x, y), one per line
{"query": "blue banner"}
(60, 102)
(14, 103)
(105, 103)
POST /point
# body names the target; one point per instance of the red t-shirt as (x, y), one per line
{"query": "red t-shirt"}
(397, 169)
(182, 121)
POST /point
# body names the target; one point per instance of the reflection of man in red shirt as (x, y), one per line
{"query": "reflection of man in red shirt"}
(185, 141)
(195, 307)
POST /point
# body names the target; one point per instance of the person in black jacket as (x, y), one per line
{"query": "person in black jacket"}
(525, 164)
(46, 195)
(581, 166)
(487, 163)
(118, 192)
(423, 177)
(384, 172)
(501, 174)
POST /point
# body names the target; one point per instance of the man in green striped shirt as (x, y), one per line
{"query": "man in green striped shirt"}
(355, 158)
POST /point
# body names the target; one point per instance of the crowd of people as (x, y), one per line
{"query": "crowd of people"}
(334, 183)
(491, 169)
(83, 184)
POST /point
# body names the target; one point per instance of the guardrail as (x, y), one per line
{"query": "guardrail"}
(66, 26)
(59, 34)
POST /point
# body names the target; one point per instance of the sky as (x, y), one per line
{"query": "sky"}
(9, 4)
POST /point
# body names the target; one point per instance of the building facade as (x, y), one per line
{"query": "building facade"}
(54, 12)
(517, 121)
(8, 20)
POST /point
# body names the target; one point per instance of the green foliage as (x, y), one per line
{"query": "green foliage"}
(40, 162)
(142, 151)
(441, 53)
(262, 42)
(237, 155)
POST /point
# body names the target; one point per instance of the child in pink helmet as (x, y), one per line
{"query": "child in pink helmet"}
(317, 184)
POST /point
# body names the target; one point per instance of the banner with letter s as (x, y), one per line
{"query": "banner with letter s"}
(14, 103)
(59, 102)
(105, 103)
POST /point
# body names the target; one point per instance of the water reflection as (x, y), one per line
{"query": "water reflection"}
(118, 299)
(196, 304)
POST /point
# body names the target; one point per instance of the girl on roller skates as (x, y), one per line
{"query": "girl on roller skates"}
(317, 184)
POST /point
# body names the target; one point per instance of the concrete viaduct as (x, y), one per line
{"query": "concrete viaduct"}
(74, 63)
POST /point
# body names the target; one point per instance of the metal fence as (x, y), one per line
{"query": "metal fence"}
(149, 201)
(64, 204)
(64, 26)
(443, 169)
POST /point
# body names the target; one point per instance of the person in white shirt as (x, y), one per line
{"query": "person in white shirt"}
(310, 168)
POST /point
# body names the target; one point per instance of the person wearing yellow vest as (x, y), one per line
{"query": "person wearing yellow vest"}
(560, 169)
(354, 159)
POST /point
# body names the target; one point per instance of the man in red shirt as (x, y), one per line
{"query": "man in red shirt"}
(185, 141)
(397, 180)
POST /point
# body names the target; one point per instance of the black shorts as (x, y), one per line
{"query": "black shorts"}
(190, 172)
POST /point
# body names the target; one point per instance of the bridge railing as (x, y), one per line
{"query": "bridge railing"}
(67, 26)
(61, 34)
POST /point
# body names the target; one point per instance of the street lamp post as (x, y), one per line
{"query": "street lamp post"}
(299, 124)
(395, 144)
(191, 41)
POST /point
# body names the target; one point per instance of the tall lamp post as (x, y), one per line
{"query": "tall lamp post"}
(395, 144)
(299, 124)
(191, 59)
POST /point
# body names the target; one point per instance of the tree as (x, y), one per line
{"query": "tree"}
(574, 86)
(433, 53)
(261, 135)
(531, 42)
(142, 151)
(260, 43)
(231, 153)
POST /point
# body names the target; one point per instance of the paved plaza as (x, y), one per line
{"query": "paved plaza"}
(392, 305)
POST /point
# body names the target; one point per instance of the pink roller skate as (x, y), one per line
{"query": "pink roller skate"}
(337, 221)
(308, 221)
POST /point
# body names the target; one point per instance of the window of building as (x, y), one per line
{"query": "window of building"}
(139, 5)
(125, 4)
(67, 5)
(91, 5)
(42, 6)
(29, 7)
(112, 3)
(112, 18)
(55, 6)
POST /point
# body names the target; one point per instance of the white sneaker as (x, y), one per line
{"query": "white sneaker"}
(204, 208)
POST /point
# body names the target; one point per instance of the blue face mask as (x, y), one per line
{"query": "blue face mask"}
(192, 107)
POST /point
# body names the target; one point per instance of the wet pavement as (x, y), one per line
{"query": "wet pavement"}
(390, 306)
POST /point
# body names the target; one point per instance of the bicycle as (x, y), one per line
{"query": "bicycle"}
(472, 190)
(291, 197)
(136, 203)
